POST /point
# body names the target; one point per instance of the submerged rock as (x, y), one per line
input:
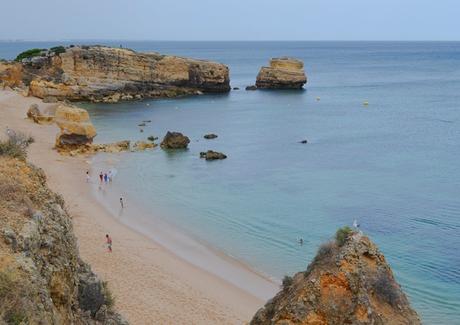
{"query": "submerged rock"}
(303, 141)
(142, 145)
(348, 282)
(251, 87)
(175, 140)
(283, 73)
(210, 136)
(212, 155)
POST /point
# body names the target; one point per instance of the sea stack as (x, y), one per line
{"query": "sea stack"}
(348, 282)
(283, 73)
(107, 74)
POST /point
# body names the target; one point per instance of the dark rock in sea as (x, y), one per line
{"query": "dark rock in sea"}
(152, 138)
(253, 87)
(236, 88)
(175, 140)
(210, 136)
(147, 121)
(212, 155)
(303, 141)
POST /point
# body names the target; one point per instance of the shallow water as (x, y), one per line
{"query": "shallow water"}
(393, 165)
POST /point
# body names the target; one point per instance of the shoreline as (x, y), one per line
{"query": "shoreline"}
(150, 282)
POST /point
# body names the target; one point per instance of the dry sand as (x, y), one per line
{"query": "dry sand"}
(151, 284)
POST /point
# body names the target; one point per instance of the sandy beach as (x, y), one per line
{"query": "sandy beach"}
(151, 283)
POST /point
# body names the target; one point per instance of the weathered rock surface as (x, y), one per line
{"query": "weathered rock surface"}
(210, 136)
(76, 127)
(252, 87)
(175, 140)
(35, 114)
(283, 73)
(98, 73)
(43, 280)
(212, 155)
(143, 145)
(349, 284)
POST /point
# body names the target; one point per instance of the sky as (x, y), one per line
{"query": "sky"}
(230, 19)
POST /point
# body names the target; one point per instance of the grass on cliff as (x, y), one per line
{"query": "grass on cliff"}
(12, 294)
(342, 235)
(15, 145)
(29, 54)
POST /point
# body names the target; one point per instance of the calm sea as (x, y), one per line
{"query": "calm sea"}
(394, 165)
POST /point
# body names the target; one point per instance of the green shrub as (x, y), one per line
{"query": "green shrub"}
(16, 144)
(342, 235)
(57, 49)
(109, 297)
(29, 53)
(287, 282)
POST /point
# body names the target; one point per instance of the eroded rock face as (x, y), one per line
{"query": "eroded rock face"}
(349, 284)
(43, 279)
(283, 73)
(76, 127)
(175, 140)
(98, 73)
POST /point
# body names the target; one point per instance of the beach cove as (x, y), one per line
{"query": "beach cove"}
(150, 282)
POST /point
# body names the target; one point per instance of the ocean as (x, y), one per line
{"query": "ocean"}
(393, 165)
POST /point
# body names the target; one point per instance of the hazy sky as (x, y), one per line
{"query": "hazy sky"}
(231, 19)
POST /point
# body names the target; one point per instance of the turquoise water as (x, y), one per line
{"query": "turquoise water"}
(393, 165)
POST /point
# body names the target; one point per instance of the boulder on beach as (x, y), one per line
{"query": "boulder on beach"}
(35, 114)
(212, 155)
(283, 73)
(210, 136)
(175, 140)
(76, 127)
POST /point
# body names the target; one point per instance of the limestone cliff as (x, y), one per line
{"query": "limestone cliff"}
(283, 73)
(42, 278)
(99, 73)
(348, 282)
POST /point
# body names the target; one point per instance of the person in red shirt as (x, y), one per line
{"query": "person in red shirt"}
(109, 243)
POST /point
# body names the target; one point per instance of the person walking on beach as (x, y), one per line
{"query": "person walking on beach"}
(106, 179)
(87, 176)
(101, 176)
(109, 243)
(121, 202)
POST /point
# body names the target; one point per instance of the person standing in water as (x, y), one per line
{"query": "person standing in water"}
(121, 202)
(109, 243)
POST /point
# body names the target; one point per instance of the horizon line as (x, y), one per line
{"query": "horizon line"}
(164, 40)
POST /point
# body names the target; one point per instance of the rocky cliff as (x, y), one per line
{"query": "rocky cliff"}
(283, 73)
(98, 73)
(348, 282)
(42, 278)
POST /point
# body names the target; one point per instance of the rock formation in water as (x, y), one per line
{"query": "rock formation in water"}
(283, 73)
(210, 136)
(175, 140)
(98, 73)
(348, 282)
(212, 155)
(42, 278)
(76, 127)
